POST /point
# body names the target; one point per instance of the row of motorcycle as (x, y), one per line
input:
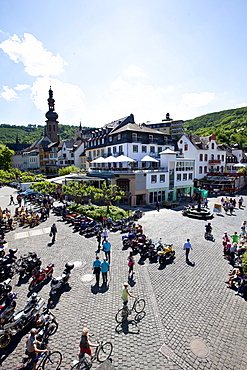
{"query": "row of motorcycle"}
(33, 313)
(140, 243)
(29, 265)
(89, 227)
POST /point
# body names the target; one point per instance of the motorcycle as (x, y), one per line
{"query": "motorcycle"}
(8, 308)
(28, 263)
(209, 236)
(5, 288)
(60, 281)
(20, 319)
(46, 325)
(39, 275)
(167, 253)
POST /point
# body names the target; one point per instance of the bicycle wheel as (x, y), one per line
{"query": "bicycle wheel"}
(5, 339)
(52, 361)
(104, 352)
(52, 328)
(121, 315)
(139, 305)
(80, 366)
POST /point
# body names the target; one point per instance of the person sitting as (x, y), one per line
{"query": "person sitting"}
(235, 276)
(242, 286)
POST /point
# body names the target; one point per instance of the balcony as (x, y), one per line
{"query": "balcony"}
(214, 161)
(125, 170)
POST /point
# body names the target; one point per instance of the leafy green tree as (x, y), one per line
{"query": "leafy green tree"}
(68, 170)
(78, 190)
(108, 194)
(44, 187)
(5, 158)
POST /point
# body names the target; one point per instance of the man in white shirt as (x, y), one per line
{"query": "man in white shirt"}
(31, 349)
(187, 247)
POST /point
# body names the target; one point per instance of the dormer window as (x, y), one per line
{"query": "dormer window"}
(110, 138)
(119, 136)
(212, 146)
(151, 138)
(134, 136)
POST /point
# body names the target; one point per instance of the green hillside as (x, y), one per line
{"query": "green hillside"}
(28, 134)
(229, 126)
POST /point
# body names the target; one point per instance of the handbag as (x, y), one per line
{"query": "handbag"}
(50, 234)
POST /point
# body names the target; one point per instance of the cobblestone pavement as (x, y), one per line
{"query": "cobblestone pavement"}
(185, 304)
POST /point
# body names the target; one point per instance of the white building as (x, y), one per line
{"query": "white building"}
(208, 156)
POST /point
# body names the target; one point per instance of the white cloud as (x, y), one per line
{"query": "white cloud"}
(21, 87)
(8, 94)
(240, 105)
(195, 100)
(134, 71)
(69, 99)
(30, 51)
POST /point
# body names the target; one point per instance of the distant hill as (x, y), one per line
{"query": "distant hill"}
(229, 126)
(28, 134)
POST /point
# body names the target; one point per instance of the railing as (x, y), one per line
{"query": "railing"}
(127, 170)
(214, 161)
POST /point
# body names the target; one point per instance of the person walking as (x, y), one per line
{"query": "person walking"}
(104, 233)
(11, 200)
(96, 269)
(105, 267)
(31, 347)
(157, 207)
(107, 249)
(131, 263)
(53, 233)
(98, 238)
(187, 247)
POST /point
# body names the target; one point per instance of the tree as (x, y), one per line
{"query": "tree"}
(44, 187)
(78, 190)
(108, 194)
(5, 158)
(68, 170)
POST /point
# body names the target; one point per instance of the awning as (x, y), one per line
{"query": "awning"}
(147, 158)
(110, 159)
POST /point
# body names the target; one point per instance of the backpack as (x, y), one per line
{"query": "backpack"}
(84, 342)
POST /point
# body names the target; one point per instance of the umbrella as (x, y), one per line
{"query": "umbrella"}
(147, 158)
(110, 159)
(99, 160)
(124, 158)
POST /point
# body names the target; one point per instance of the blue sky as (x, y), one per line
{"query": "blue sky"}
(107, 59)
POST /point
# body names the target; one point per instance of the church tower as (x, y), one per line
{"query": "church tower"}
(52, 116)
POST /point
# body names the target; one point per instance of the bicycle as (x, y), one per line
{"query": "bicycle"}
(102, 353)
(124, 312)
(50, 361)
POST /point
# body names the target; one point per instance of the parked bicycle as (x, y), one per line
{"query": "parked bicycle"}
(102, 353)
(49, 361)
(124, 312)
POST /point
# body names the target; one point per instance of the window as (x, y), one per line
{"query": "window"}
(94, 153)
(110, 138)
(135, 148)
(98, 153)
(184, 176)
(205, 157)
(201, 157)
(103, 141)
(98, 142)
(205, 169)
(179, 177)
(218, 157)
(212, 146)
(119, 136)
(212, 156)
(222, 158)
(144, 149)
(72, 155)
(102, 152)
(134, 136)
(114, 149)
(152, 149)
(190, 176)
(185, 147)
(162, 178)
(120, 149)
(159, 149)
(109, 151)
(200, 169)
(153, 179)
(151, 138)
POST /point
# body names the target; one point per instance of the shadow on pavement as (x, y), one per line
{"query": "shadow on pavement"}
(52, 302)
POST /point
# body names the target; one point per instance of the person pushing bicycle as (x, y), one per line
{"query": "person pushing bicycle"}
(126, 294)
(85, 344)
(31, 347)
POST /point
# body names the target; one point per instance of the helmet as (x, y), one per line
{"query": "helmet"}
(54, 281)
(34, 296)
(12, 295)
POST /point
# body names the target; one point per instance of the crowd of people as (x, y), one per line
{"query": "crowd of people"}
(234, 247)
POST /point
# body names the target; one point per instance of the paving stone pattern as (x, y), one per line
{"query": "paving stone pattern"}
(183, 302)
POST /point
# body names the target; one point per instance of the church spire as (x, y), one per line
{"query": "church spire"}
(52, 116)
